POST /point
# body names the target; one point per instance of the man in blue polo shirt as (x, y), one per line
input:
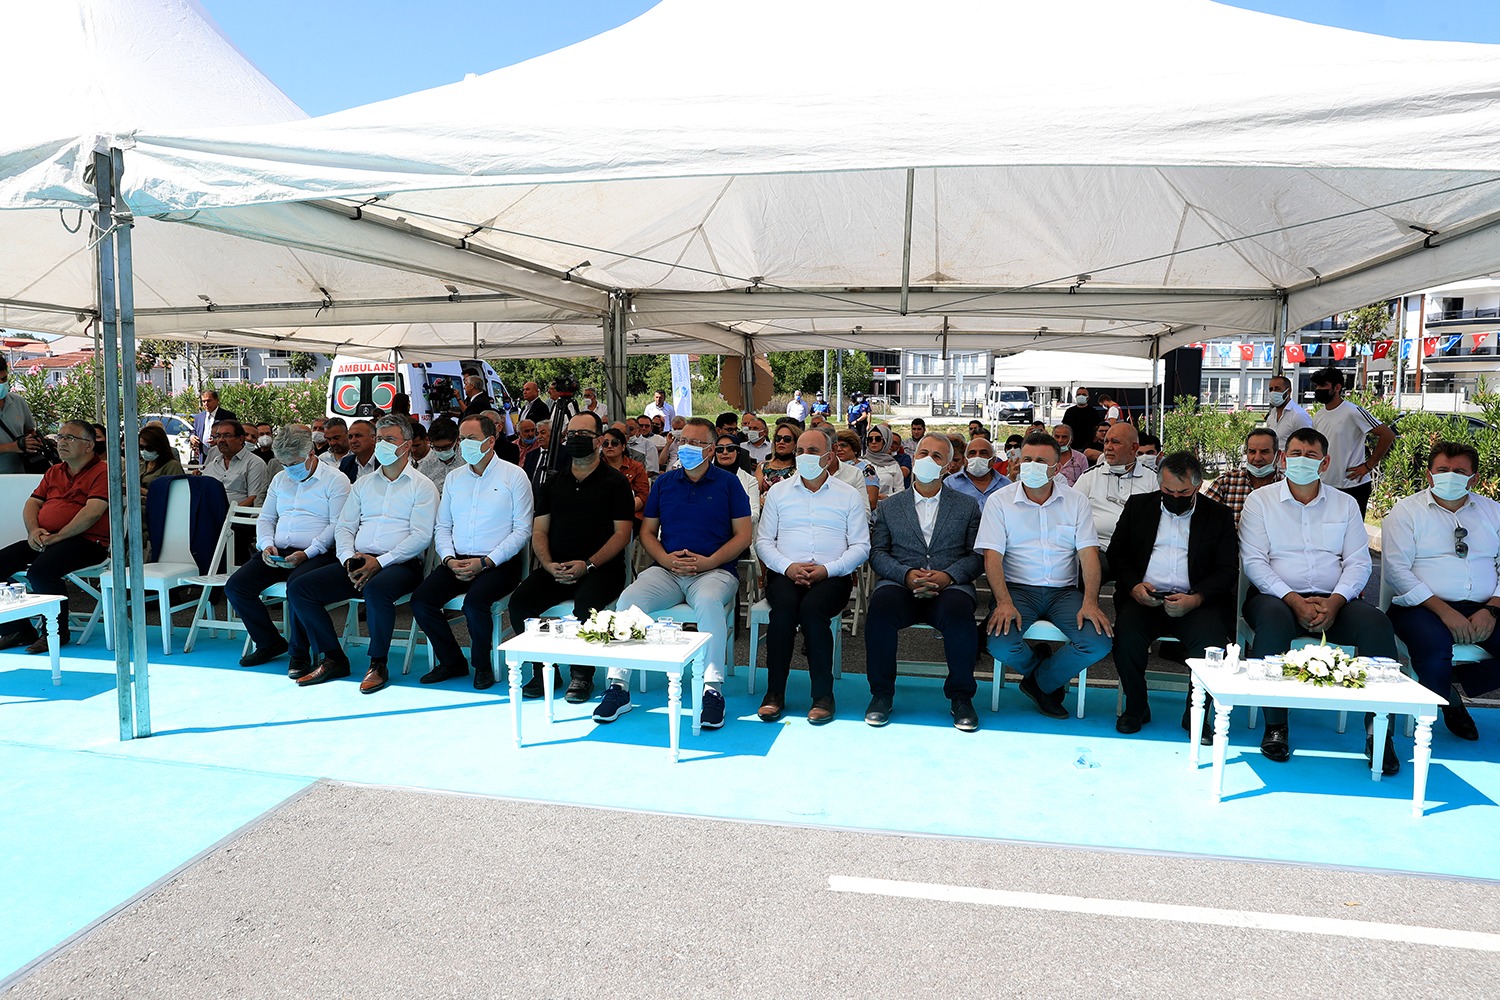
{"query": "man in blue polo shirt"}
(697, 525)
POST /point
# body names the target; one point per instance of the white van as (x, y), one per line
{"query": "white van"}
(361, 388)
(1009, 404)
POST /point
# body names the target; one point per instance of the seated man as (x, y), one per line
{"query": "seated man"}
(978, 478)
(380, 536)
(442, 454)
(244, 476)
(1258, 469)
(584, 516)
(1307, 556)
(922, 550)
(335, 441)
(294, 537)
(1441, 550)
(66, 530)
(1148, 452)
(1036, 537)
(1073, 462)
(814, 533)
(483, 524)
(1116, 479)
(1177, 571)
(696, 527)
(360, 461)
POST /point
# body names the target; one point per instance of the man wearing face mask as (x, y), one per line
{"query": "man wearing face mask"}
(526, 441)
(922, 551)
(814, 533)
(1073, 462)
(1307, 556)
(1176, 560)
(1346, 425)
(1037, 537)
(797, 409)
(1117, 478)
(319, 437)
(1148, 452)
(756, 445)
(442, 453)
(294, 537)
(584, 517)
(1082, 417)
(380, 537)
(1442, 559)
(483, 524)
(978, 478)
(1258, 469)
(1285, 414)
(696, 527)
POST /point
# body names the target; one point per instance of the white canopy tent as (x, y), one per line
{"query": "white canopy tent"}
(1073, 368)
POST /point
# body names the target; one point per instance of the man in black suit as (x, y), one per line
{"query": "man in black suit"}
(1175, 556)
(204, 420)
(476, 400)
(533, 406)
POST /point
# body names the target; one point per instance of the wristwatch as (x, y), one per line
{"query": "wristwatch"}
(588, 567)
(1494, 611)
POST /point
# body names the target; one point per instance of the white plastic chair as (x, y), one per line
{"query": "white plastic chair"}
(1040, 631)
(221, 568)
(173, 569)
(352, 636)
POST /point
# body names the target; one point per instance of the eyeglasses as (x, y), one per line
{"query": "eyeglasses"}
(874, 437)
(74, 437)
(1460, 547)
(725, 449)
(612, 443)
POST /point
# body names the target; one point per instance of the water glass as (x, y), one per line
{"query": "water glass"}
(17, 591)
(534, 626)
(1214, 656)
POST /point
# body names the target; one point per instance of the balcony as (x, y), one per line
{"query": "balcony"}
(1449, 317)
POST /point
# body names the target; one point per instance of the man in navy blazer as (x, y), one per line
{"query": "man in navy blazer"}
(204, 420)
(922, 551)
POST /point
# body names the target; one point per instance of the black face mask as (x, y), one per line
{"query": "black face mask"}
(1324, 396)
(579, 445)
(1176, 505)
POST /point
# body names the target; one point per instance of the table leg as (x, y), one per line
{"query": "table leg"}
(53, 646)
(1377, 747)
(674, 710)
(515, 694)
(1195, 723)
(698, 694)
(1423, 758)
(1221, 743)
(547, 670)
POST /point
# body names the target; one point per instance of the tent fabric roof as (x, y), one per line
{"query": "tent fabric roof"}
(1074, 368)
(1174, 183)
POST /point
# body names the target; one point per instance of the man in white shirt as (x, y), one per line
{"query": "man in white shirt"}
(797, 409)
(1036, 537)
(1285, 414)
(1304, 549)
(335, 441)
(483, 525)
(380, 538)
(1346, 425)
(1073, 462)
(814, 533)
(442, 455)
(1441, 554)
(244, 476)
(294, 537)
(757, 444)
(591, 404)
(643, 446)
(977, 479)
(1116, 478)
(659, 407)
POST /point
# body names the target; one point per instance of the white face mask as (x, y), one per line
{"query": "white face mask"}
(809, 466)
(1148, 461)
(1081, 400)
(445, 455)
(1116, 470)
(926, 469)
(1449, 485)
(264, 440)
(753, 436)
(148, 455)
(319, 437)
(1302, 469)
(1260, 471)
(1278, 398)
(1034, 474)
(1064, 448)
(978, 466)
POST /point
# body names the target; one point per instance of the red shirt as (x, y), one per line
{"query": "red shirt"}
(64, 494)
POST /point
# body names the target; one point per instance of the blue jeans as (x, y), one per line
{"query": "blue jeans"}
(1430, 646)
(1060, 606)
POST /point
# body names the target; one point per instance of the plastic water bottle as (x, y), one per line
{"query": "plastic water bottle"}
(1084, 759)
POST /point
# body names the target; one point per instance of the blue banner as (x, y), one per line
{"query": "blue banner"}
(682, 386)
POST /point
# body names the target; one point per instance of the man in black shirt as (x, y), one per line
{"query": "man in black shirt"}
(1082, 417)
(584, 516)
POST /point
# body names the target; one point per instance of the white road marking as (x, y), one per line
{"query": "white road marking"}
(1369, 930)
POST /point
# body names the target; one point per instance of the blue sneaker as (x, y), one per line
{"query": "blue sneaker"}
(615, 703)
(712, 715)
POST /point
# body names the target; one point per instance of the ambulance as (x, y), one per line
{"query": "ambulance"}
(361, 388)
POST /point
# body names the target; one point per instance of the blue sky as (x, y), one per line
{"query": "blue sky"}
(334, 54)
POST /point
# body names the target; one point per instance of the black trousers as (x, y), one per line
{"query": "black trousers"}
(440, 587)
(1361, 495)
(244, 589)
(1137, 626)
(45, 571)
(541, 590)
(811, 609)
(950, 612)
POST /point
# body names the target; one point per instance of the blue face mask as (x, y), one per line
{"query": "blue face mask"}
(298, 473)
(690, 455)
(385, 453)
(1303, 470)
(1450, 486)
(472, 451)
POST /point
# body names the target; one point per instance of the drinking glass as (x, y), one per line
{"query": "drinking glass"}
(1214, 656)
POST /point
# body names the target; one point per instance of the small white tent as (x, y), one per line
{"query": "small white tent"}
(1073, 368)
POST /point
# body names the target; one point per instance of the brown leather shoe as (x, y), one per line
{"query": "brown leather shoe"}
(821, 711)
(377, 678)
(326, 670)
(771, 706)
(40, 645)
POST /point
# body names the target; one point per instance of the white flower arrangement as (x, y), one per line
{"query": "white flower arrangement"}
(616, 626)
(1324, 666)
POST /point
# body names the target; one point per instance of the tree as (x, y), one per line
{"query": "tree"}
(150, 353)
(804, 370)
(1362, 326)
(301, 363)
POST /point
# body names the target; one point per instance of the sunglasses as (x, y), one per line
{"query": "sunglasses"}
(725, 449)
(874, 437)
(1460, 547)
(784, 439)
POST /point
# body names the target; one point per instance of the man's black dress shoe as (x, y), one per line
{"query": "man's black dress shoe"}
(1131, 722)
(580, 690)
(965, 719)
(1275, 746)
(23, 637)
(1048, 704)
(257, 656)
(443, 672)
(1207, 739)
(879, 711)
(484, 678)
(534, 688)
(298, 667)
(1391, 764)
(1458, 720)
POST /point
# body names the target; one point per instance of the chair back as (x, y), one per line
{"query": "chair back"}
(176, 540)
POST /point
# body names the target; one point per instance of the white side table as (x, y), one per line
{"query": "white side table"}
(1230, 690)
(672, 659)
(49, 606)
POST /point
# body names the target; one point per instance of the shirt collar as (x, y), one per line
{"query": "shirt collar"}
(1285, 486)
(1433, 501)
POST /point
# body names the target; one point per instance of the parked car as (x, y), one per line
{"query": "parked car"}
(179, 431)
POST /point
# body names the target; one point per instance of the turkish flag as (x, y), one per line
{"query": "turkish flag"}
(1479, 340)
(1295, 354)
(1429, 345)
(1382, 349)
(1339, 350)
(1247, 352)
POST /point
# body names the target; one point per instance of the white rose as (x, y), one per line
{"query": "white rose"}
(621, 631)
(1318, 669)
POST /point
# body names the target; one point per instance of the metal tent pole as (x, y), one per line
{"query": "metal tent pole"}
(1278, 356)
(747, 376)
(1161, 387)
(615, 325)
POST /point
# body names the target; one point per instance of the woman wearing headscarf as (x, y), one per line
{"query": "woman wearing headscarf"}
(879, 453)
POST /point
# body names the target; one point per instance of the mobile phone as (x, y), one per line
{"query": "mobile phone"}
(353, 563)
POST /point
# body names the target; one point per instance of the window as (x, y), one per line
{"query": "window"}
(364, 395)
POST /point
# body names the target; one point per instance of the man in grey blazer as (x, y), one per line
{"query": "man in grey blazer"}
(922, 551)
